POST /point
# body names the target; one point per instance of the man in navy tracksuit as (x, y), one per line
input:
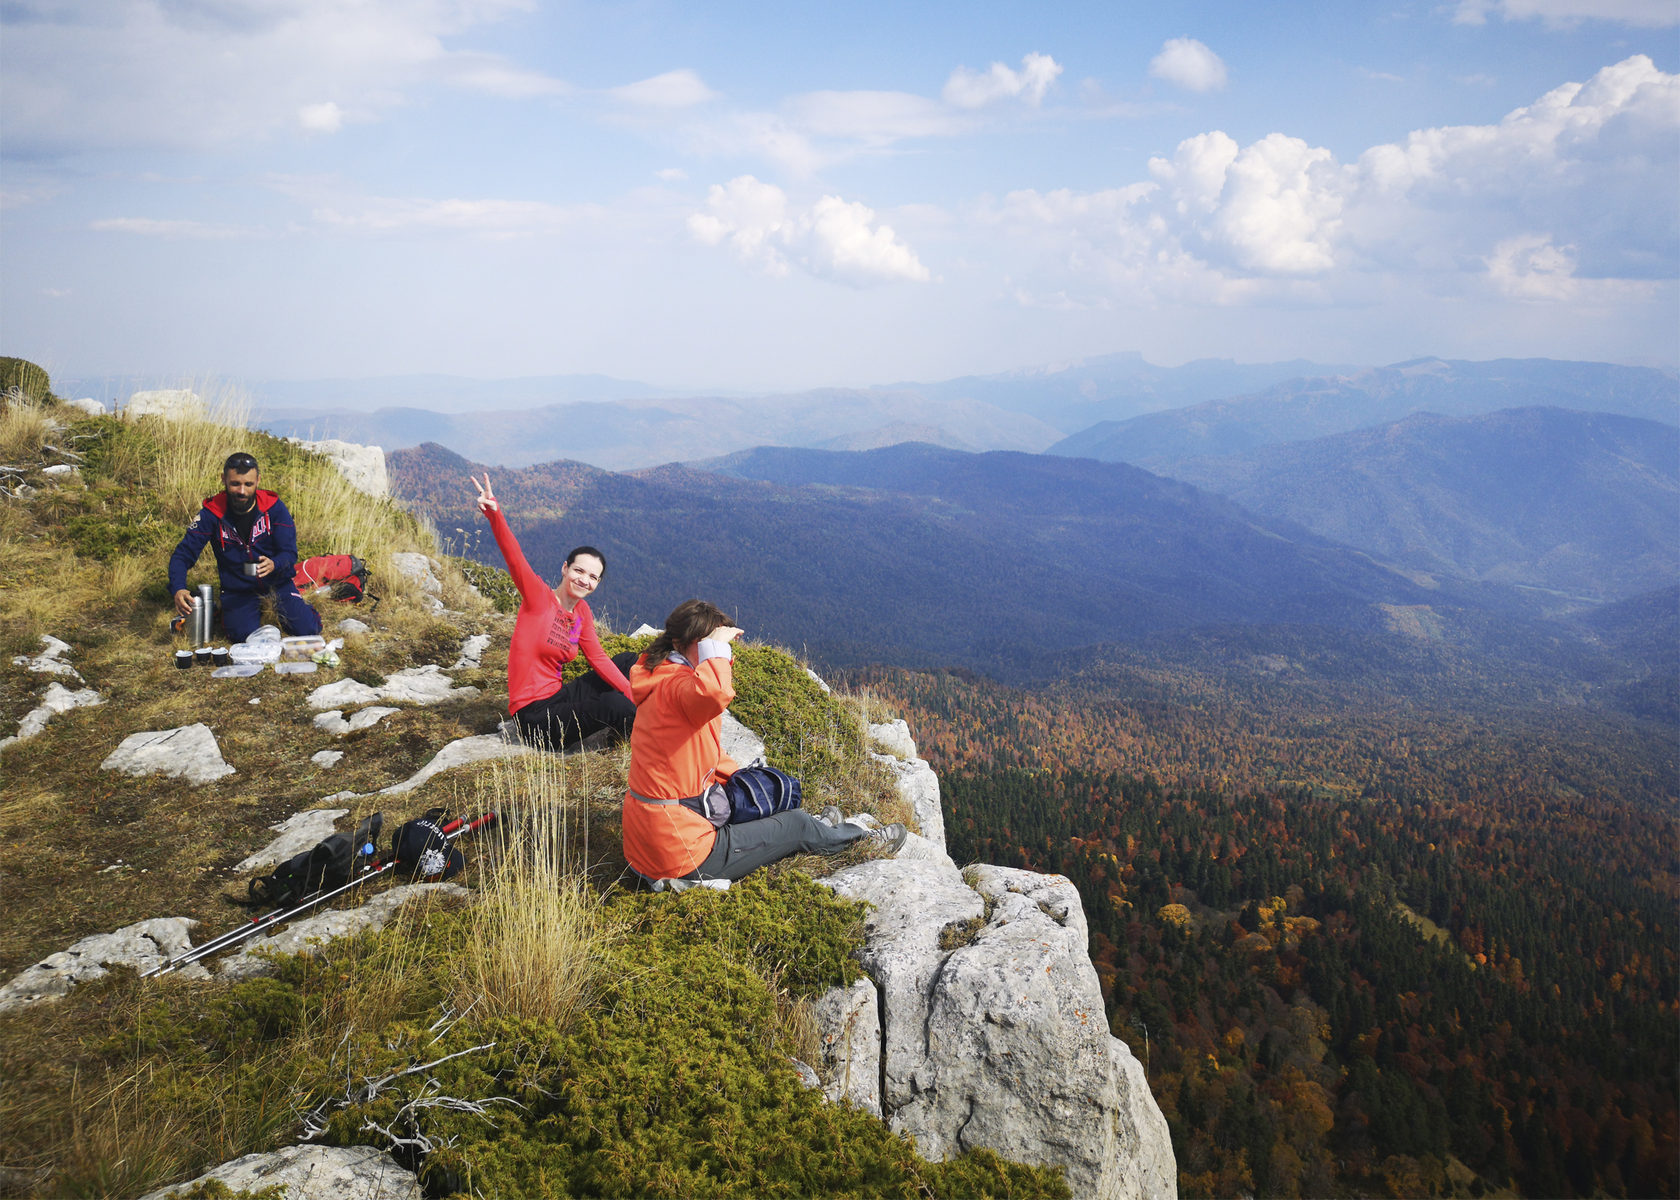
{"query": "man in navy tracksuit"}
(245, 525)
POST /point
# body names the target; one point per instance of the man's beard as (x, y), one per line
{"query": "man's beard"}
(241, 504)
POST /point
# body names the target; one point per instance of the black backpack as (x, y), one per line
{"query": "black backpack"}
(330, 864)
(423, 851)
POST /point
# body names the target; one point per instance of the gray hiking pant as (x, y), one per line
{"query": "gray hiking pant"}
(743, 849)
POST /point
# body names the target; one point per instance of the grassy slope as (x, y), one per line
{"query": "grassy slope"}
(124, 1086)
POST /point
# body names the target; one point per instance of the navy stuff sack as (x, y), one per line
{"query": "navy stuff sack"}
(423, 851)
(758, 792)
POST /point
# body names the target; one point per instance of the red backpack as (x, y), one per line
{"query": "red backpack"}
(342, 576)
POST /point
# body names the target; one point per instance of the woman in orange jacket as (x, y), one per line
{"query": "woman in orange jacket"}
(682, 684)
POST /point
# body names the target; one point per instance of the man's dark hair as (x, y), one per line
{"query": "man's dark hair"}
(239, 461)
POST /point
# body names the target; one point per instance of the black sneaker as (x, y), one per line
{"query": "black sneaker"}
(888, 838)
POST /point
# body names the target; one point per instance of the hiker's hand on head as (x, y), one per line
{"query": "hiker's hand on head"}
(265, 567)
(183, 602)
(724, 633)
(486, 497)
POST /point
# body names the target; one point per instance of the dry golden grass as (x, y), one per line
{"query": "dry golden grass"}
(538, 925)
(191, 448)
(25, 426)
(124, 577)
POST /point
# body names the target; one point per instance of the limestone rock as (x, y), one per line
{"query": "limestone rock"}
(420, 570)
(60, 471)
(169, 403)
(849, 1025)
(1002, 1041)
(817, 679)
(807, 1075)
(645, 630)
(55, 700)
(189, 752)
(299, 832)
(86, 404)
(913, 903)
(416, 685)
(350, 625)
(741, 743)
(894, 737)
(326, 758)
(301, 937)
(335, 722)
(457, 754)
(143, 945)
(362, 466)
(51, 659)
(472, 650)
(311, 1173)
(919, 787)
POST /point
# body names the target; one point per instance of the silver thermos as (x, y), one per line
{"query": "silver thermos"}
(201, 619)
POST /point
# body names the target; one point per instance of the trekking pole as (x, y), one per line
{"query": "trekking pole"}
(256, 925)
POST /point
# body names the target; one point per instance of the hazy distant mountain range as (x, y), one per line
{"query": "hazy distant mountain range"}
(1312, 407)
(1583, 503)
(622, 425)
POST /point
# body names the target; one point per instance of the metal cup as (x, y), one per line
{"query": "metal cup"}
(249, 570)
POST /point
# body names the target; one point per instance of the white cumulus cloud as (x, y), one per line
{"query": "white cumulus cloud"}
(976, 89)
(120, 73)
(674, 89)
(833, 239)
(326, 117)
(1648, 14)
(1190, 65)
(1574, 196)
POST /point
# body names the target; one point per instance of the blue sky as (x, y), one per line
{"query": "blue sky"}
(728, 196)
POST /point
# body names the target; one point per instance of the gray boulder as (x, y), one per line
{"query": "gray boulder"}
(189, 753)
(169, 403)
(998, 1037)
(416, 685)
(299, 832)
(894, 737)
(741, 743)
(86, 404)
(363, 467)
(472, 650)
(849, 1021)
(311, 1173)
(459, 753)
(55, 700)
(51, 659)
(919, 787)
(143, 945)
(335, 722)
(303, 937)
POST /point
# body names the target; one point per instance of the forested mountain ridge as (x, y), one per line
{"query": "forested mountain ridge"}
(1583, 503)
(921, 556)
(1300, 409)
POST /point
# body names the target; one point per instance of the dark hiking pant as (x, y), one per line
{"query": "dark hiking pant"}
(586, 705)
(742, 849)
(242, 612)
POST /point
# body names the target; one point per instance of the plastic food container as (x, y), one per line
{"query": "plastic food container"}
(254, 652)
(293, 668)
(301, 649)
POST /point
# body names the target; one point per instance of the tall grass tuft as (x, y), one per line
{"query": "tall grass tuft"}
(538, 926)
(191, 448)
(25, 426)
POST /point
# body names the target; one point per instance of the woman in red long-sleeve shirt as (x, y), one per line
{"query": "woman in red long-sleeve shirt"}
(553, 627)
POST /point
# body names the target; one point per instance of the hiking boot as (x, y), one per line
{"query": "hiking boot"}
(831, 815)
(889, 838)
